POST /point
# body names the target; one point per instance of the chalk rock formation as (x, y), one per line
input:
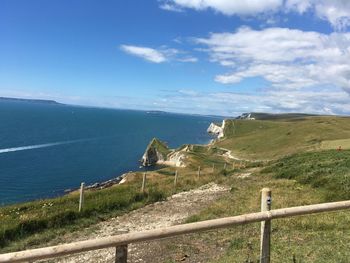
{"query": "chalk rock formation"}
(156, 151)
(177, 159)
(245, 116)
(216, 129)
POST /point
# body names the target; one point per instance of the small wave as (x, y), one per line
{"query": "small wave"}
(32, 147)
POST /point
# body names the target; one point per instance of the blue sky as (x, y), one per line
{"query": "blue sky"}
(192, 56)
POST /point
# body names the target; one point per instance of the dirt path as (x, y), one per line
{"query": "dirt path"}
(162, 214)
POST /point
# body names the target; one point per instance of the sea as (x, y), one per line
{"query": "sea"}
(46, 149)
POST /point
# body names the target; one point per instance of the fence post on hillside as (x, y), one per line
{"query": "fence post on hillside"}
(225, 166)
(121, 252)
(265, 227)
(143, 182)
(175, 180)
(199, 171)
(81, 198)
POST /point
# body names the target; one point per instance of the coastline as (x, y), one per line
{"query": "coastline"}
(123, 177)
(165, 163)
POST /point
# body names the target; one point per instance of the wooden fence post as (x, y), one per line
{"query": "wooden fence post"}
(121, 254)
(81, 198)
(143, 182)
(225, 166)
(175, 180)
(199, 171)
(265, 227)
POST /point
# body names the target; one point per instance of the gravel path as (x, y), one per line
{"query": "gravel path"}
(162, 214)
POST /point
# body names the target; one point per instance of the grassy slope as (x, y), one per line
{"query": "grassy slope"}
(31, 224)
(28, 220)
(159, 146)
(272, 139)
(333, 144)
(328, 170)
(307, 177)
(315, 238)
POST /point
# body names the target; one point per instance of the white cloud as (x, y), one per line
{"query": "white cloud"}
(188, 59)
(326, 101)
(146, 53)
(171, 7)
(160, 55)
(288, 59)
(336, 12)
(228, 7)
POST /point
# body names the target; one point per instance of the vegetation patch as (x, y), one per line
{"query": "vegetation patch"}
(336, 144)
(327, 170)
(273, 139)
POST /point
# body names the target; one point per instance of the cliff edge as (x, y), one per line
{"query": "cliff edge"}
(217, 130)
(155, 151)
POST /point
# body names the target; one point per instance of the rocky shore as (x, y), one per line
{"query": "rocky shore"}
(158, 153)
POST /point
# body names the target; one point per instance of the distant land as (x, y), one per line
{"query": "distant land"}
(274, 116)
(30, 100)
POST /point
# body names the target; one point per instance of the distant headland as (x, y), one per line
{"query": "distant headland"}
(29, 100)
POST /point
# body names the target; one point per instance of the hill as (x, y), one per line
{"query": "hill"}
(271, 139)
(5, 99)
(272, 116)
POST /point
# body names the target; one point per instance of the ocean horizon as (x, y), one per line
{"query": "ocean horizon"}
(46, 149)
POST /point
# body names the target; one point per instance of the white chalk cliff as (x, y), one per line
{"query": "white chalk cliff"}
(217, 130)
(176, 159)
(157, 152)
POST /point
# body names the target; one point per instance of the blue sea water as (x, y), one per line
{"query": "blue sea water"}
(45, 149)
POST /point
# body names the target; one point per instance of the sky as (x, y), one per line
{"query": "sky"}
(221, 57)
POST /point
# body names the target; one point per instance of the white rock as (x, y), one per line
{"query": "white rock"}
(216, 129)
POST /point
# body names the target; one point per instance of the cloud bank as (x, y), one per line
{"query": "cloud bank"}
(326, 101)
(287, 58)
(336, 12)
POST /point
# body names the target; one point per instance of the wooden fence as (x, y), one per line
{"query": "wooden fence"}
(120, 242)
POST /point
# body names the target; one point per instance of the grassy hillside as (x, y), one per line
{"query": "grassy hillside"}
(321, 238)
(31, 224)
(28, 220)
(160, 146)
(283, 116)
(333, 144)
(325, 170)
(271, 139)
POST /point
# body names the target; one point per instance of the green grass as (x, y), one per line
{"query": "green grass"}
(23, 220)
(326, 170)
(159, 146)
(32, 224)
(262, 139)
(323, 237)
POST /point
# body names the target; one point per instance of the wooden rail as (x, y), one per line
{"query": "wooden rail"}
(124, 239)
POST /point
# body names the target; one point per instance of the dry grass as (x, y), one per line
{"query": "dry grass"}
(334, 144)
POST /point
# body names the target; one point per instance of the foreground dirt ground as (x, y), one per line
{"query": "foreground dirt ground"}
(162, 214)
